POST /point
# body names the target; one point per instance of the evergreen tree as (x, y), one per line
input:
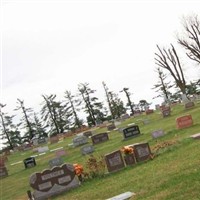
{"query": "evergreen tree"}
(9, 131)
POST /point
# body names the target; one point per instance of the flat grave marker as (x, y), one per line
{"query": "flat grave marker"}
(43, 149)
(157, 134)
(60, 152)
(114, 161)
(184, 121)
(99, 138)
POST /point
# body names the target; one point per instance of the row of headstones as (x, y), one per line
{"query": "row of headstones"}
(62, 178)
(130, 132)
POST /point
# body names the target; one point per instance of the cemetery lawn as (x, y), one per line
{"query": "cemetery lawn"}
(174, 172)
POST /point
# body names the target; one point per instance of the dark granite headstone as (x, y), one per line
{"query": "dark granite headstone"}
(114, 161)
(87, 150)
(99, 138)
(131, 132)
(142, 152)
(111, 127)
(29, 162)
(53, 181)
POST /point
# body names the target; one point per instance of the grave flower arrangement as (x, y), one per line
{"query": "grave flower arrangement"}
(127, 150)
(78, 170)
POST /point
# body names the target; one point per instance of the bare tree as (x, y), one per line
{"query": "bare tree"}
(191, 41)
(169, 60)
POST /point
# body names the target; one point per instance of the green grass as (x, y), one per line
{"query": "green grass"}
(173, 174)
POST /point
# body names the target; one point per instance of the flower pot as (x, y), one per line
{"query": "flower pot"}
(130, 159)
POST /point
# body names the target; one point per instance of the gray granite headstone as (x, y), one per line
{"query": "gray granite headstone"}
(87, 149)
(53, 181)
(80, 140)
(55, 162)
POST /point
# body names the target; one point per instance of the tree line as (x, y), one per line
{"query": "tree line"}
(60, 116)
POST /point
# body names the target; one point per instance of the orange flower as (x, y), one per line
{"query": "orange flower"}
(78, 169)
(127, 150)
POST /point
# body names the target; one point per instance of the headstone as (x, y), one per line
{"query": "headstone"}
(157, 106)
(87, 134)
(3, 158)
(137, 113)
(166, 111)
(3, 171)
(142, 152)
(125, 116)
(27, 147)
(80, 140)
(157, 133)
(42, 140)
(117, 123)
(99, 138)
(52, 182)
(149, 111)
(111, 127)
(184, 121)
(131, 132)
(145, 121)
(60, 152)
(43, 149)
(54, 139)
(189, 104)
(29, 162)
(114, 161)
(55, 162)
(87, 149)
(35, 141)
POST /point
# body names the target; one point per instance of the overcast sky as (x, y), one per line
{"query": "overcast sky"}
(52, 46)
